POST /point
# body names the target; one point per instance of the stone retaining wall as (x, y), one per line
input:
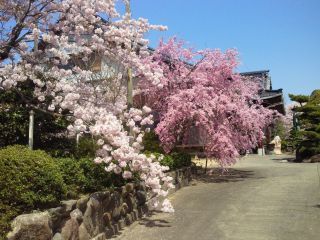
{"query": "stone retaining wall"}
(98, 216)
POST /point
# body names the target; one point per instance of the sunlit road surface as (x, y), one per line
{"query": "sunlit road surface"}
(259, 198)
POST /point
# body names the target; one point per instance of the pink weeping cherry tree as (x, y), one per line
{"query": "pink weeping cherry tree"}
(57, 45)
(200, 91)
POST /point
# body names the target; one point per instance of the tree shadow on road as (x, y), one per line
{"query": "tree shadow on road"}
(317, 206)
(216, 175)
(285, 159)
(148, 221)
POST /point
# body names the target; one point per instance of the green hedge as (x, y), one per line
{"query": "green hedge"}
(84, 176)
(181, 159)
(151, 143)
(96, 177)
(173, 160)
(72, 175)
(28, 180)
(34, 180)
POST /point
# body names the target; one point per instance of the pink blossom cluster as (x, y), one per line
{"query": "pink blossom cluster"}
(200, 90)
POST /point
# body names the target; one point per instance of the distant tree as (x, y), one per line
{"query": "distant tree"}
(308, 132)
(301, 99)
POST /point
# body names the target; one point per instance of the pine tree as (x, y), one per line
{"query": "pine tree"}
(308, 124)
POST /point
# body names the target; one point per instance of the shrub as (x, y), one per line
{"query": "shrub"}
(151, 142)
(7, 213)
(87, 147)
(181, 159)
(96, 178)
(72, 174)
(62, 147)
(84, 176)
(173, 160)
(168, 161)
(28, 180)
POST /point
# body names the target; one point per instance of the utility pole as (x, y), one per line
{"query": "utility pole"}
(31, 127)
(129, 70)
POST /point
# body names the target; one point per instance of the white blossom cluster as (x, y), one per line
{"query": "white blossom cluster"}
(75, 35)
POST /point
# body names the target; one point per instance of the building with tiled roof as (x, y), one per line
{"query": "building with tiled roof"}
(272, 98)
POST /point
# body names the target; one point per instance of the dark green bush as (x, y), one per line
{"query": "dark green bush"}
(87, 147)
(7, 213)
(168, 161)
(96, 178)
(72, 174)
(49, 130)
(173, 160)
(34, 180)
(61, 147)
(180, 159)
(28, 180)
(84, 176)
(151, 143)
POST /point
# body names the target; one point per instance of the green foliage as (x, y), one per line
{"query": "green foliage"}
(13, 119)
(292, 140)
(28, 180)
(151, 142)
(315, 96)
(50, 134)
(7, 213)
(87, 147)
(299, 98)
(181, 159)
(84, 176)
(280, 130)
(34, 180)
(96, 178)
(168, 161)
(173, 160)
(72, 174)
(49, 130)
(307, 134)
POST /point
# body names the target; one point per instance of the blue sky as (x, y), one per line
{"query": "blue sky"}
(280, 35)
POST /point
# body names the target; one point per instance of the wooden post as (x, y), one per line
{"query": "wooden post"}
(31, 128)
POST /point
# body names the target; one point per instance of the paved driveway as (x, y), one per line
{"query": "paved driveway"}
(260, 198)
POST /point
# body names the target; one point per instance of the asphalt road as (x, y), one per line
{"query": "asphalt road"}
(260, 198)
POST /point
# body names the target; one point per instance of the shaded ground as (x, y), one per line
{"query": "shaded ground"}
(260, 198)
